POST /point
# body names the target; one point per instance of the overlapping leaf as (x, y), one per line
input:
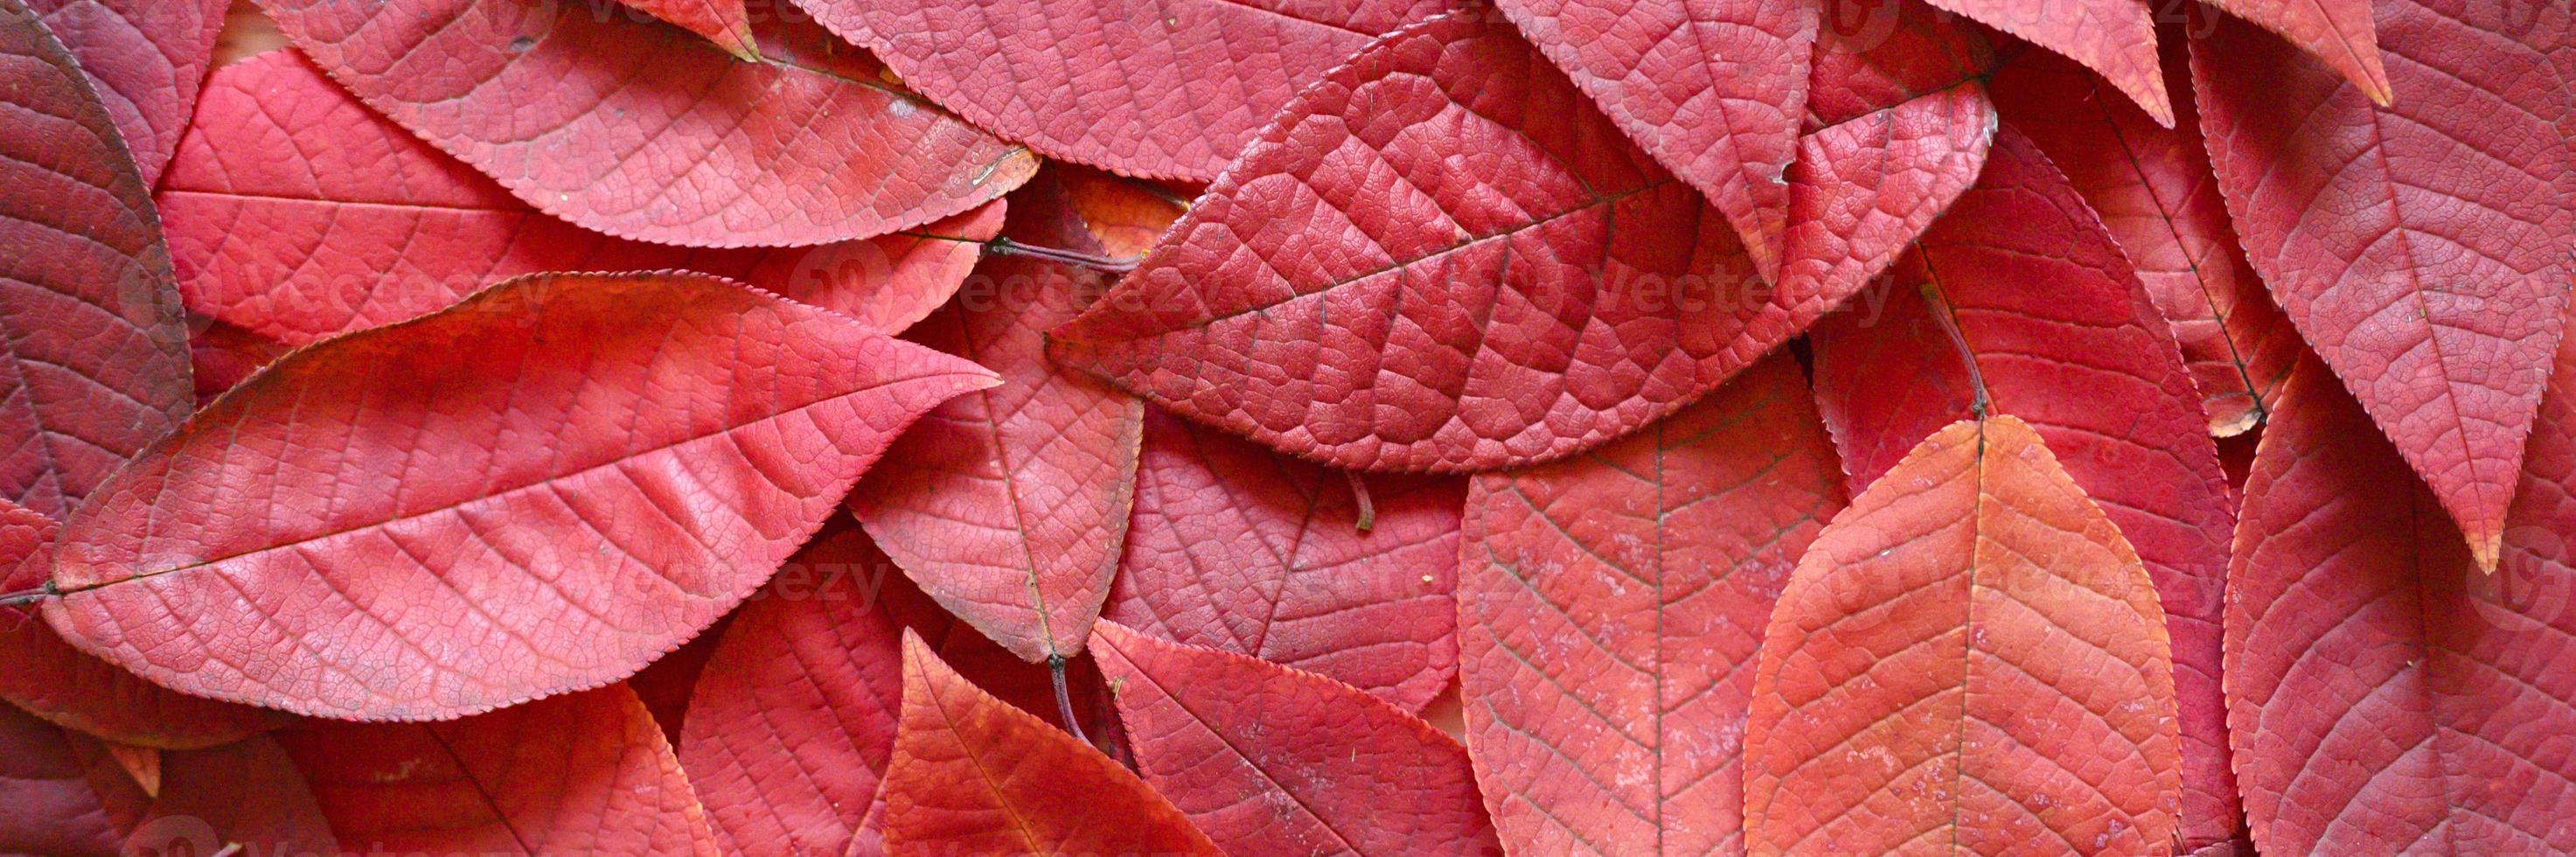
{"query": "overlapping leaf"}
(145, 59)
(1125, 216)
(1969, 658)
(535, 491)
(246, 795)
(1509, 280)
(971, 774)
(2385, 694)
(297, 213)
(2424, 248)
(96, 362)
(1610, 605)
(648, 132)
(723, 22)
(2338, 33)
(2153, 189)
(586, 773)
(1273, 760)
(59, 792)
(1236, 547)
(1010, 506)
(2116, 38)
(1164, 90)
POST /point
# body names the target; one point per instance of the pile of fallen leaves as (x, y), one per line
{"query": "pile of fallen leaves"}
(1286, 427)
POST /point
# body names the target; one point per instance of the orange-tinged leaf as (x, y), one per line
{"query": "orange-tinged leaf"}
(723, 22)
(972, 775)
(1969, 659)
(1610, 606)
(2387, 696)
(1126, 216)
(538, 490)
(1273, 760)
(585, 773)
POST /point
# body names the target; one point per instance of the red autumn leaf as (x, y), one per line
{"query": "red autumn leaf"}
(1609, 607)
(246, 795)
(1713, 89)
(2153, 190)
(1239, 548)
(48, 677)
(1145, 89)
(222, 356)
(2424, 248)
(1969, 654)
(586, 773)
(2386, 695)
(60, 794)
(1125, 216)
(2116, 38)
(971, 774)
(297, 213)
(723, 22)
(1274, 760)
(1535, 286)
(1009, 506)
(666, 685)
(538, 490)
(2338, 33)
(145, 59)
(2057, 326)
(1875, 54)
(649, 133)
(97, 362)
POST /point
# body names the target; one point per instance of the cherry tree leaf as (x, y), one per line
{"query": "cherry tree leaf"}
(1274, 760)
(1239, 548)
(538, 490)
(649, 133)
(1124, 216)
(723, 22)
(1969, 654)
(1713, 89)
(1514, 282)
(2116, 38)
(582, 773)
(2424, 248)
(971, 774)
(246, 795)
(145, 59)
(1010, 506)
(60, 794)
(2386, 695)
(297, 213)
(2338, 33)
(97, 362)
(1162, 90)
(1610, 605)
(2153, 188)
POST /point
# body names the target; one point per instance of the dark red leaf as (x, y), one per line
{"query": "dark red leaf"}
(1143, 88)
(538, 490)
(2425, 248)
(586, 773)
(648, 132)
(1877, 54)
(246, 794)
(145, 58)
(2114, 37)
(297, 213)
(2064, 337)
(1512, 281)
(1610, 605)
(1009, 506)
(97, 362)
(2337, 32)
(1273, 760)
(2386, 695)
(223, 355)
(60, 794)
(1236, 547)
(971, 774)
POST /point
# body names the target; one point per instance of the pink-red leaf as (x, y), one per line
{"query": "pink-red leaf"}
(723, 22)
(2338, 33)
(97, 361)
(1713, 89)
(537, 490)
(973, 775)
(1009, 506)
(1969, 659)
(145, 58)
(2153, 189)
(648, 132)
(1273, 760)
(60, 794)
(2063, 336)
(297, 213)
(2116, 38)
(246, 795)
(1511, 280)
(2425, 249)
(1875, 54)
(2385, 695)
(1163, 90)
(1236, 547)
(1610, 605)
(586, 773)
